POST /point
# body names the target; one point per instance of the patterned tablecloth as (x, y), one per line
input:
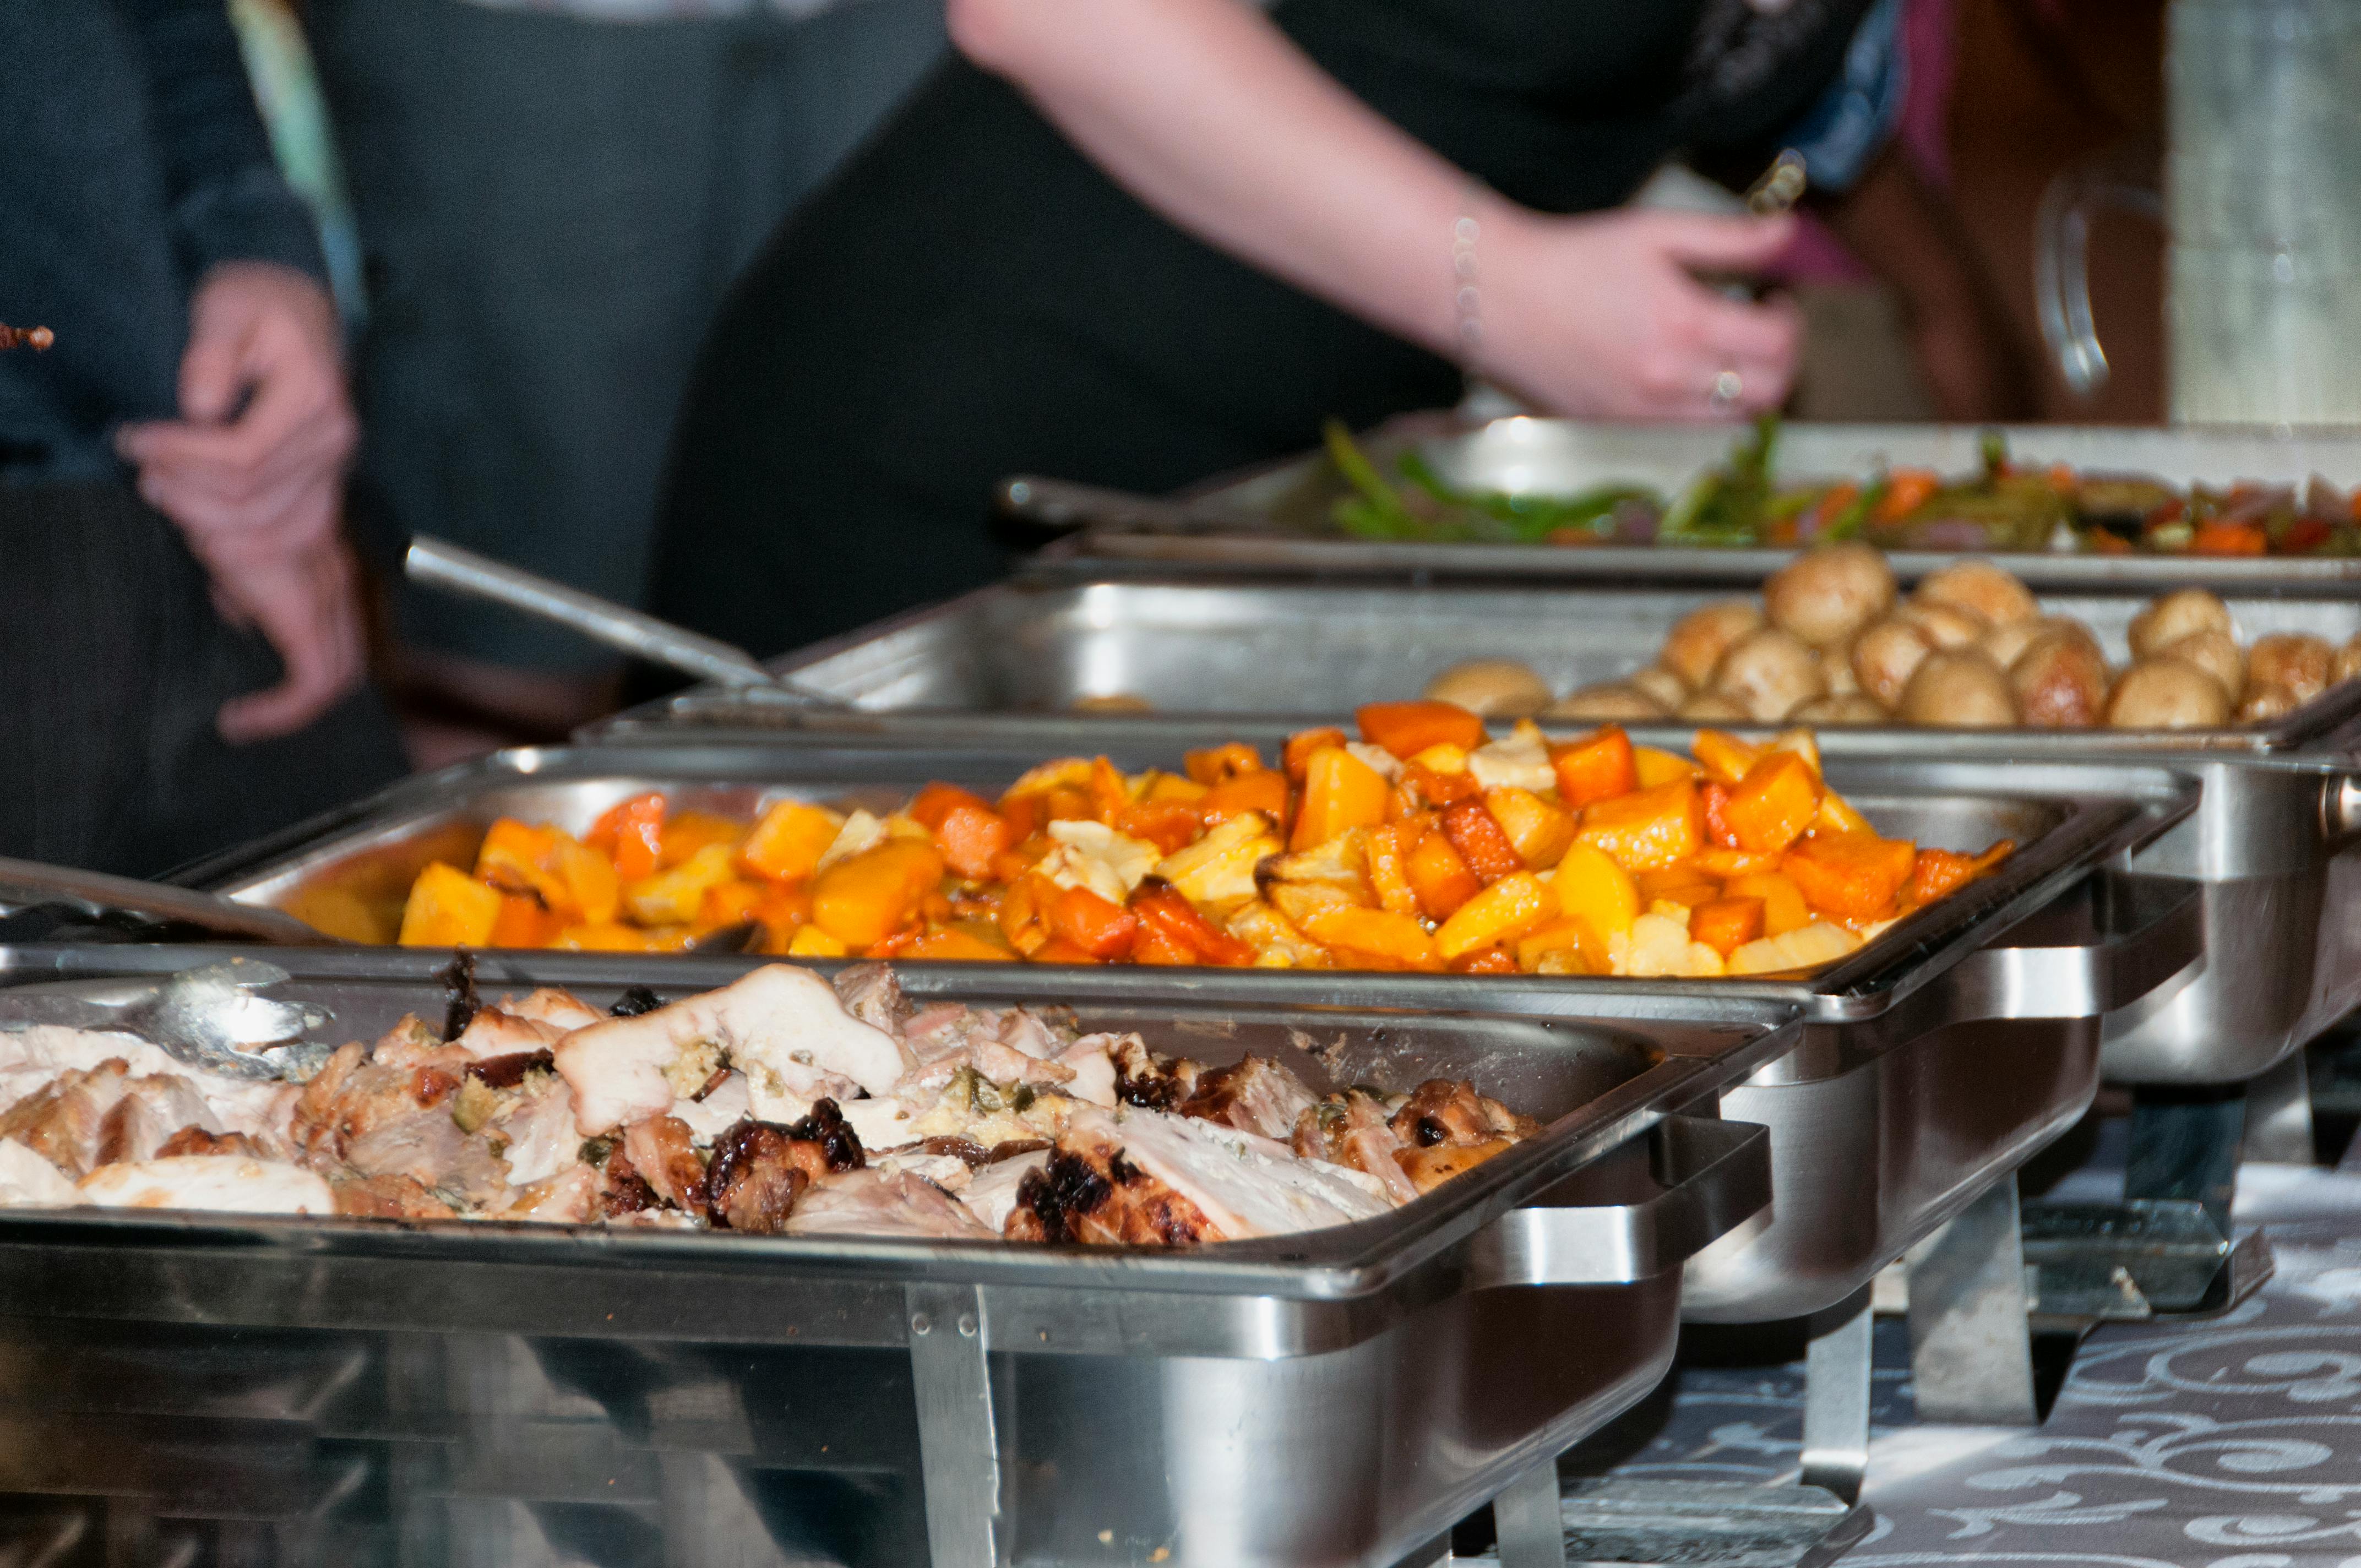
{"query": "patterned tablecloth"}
(2230, 1444)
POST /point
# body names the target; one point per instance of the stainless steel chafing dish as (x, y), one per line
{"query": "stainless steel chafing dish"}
(1940, 1055)
(2272, 849)
(1339, 1396)
(1281, 511)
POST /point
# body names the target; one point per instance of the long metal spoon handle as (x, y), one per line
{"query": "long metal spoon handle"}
(28, 885)
(1061, 503)
(438, 563)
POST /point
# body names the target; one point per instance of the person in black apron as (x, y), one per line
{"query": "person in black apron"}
(180, 634)
(1259, 221)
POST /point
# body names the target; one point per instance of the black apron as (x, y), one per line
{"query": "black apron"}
(972, 299)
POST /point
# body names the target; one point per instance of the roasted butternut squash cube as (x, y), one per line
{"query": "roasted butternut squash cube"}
(1784, 909)
(1593, 889)
(672, 897)
(864, 899)
(1340, 792)
(1598, 767)
(1774, 803)
(787, 843)
(1853, 876)
(1724, 756)
(1726, 925)
(1649, 829)
(1406, 729)
(1540, 831)
(1378, 932)
(1439, 876)
(1654, 766)
(448, 908)
(1510, 908)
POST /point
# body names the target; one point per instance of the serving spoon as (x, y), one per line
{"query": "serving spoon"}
(440, 564)
(208, 1017)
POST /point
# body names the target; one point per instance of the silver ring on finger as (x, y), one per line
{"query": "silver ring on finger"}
(1723, 395)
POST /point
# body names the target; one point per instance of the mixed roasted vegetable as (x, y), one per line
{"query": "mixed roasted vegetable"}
(1424, 844)
(2004, 506)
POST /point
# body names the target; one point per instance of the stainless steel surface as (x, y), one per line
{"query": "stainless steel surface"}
(1530, 1529)
(1337, 1398)
(1836, 1399)
(1524, 454)
(1045, 656)
(1653, 1524)
(438, 563)
(2278, 1115)
(28, 885)
(1971, 1359)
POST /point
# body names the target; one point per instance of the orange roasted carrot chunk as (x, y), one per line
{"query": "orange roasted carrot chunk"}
(1297, 754)
(1102, 929)
(1598, 767)
(936, 801)
(1853, 876)
(1406, 729)
(523, 923)
(632, 835)
(1726, 925)
(1170, 917)
(950, 944)
(1485, 960)
(1481, 842)
(1439, 877)
(972, 836)
(1778, 798)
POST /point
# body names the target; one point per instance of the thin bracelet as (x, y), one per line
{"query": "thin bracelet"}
(1466, 300)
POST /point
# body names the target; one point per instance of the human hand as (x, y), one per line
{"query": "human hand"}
(1602, 316)
(253, 474)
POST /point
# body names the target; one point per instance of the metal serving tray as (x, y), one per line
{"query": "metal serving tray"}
(1041, 656)
(1902, 1037)
(1340, 1396)
(2273, 850)
(1284, 508)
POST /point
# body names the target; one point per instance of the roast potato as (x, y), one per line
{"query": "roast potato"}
(1960, 688)
(2060, 682)
(2300, 663)
(2167, 694)
(1835, 668)
(1663, 685)
(1497, 688)
(1982, 590)
(1946, 625)
(1700, 638)
(1112, 702)
(2184, 613)
(1829, 591)
(2216, 654)
(1769, 673)
(1886, 654)
(1712, 707)
(2263, 704)
(1853, 707)
(1608, 699)
(2348, 662)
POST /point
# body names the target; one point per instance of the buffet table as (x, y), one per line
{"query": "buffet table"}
(2233, 1442)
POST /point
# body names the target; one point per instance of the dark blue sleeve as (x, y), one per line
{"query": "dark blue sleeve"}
(227, 200)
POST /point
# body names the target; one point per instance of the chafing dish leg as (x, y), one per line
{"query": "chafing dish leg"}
(1531, 1527)
(1836, 1399)
(2185, 1145)
(1971, 1344)
(2278, 1114)
(959, 1440)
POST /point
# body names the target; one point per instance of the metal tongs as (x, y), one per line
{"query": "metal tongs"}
(209, 1018)
(438, 563)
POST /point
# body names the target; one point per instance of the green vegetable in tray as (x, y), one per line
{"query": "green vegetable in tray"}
(2001, 506)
